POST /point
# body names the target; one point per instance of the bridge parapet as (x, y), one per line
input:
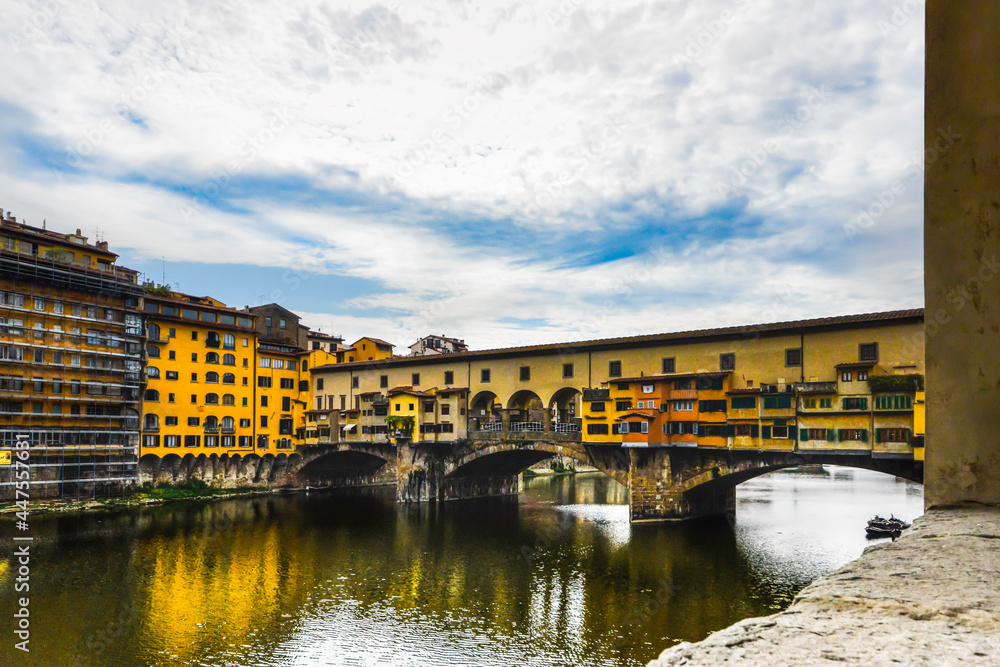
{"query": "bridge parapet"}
(526, 436)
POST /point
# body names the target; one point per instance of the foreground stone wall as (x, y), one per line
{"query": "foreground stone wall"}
(929, 598)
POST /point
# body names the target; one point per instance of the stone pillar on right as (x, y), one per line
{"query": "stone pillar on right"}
(962, 252)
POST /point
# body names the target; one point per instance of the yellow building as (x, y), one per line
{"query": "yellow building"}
(370, 349)
(70, 362)
(792, 385)
(435, 415)
(200, 380)
(282, 396)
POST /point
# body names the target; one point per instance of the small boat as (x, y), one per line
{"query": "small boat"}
(879, 527)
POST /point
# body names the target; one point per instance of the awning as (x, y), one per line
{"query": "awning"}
(350, 428)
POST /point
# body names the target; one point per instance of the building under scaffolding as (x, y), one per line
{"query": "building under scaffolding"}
(71, 353)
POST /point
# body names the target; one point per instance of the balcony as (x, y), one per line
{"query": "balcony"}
(816, 387)
(380, 400)
(211, 429)
(228, 430)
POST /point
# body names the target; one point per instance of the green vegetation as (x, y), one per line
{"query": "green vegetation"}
(194, 488)
(399, 423)
(888, 383)
(159, 290)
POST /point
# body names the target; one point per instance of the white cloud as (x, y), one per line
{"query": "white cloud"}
(550, 114)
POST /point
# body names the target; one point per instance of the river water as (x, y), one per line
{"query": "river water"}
(555, 577)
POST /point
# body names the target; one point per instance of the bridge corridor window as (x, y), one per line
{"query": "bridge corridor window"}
(449, 377)
(484, 375)
(793, 357)
(567, 370)
(525, 373)
(669, 365)
(727, 361)
(614, 369)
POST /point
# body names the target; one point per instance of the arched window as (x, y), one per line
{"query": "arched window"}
(153, 331)
(228, 341)
(212, 339)
(131, 419)
(211, 399)
(152, 352)
(212, 376)
(152, 372)
(212, 358)
(211, 423)
(228, 399)
(228, 424)
(229, 360)
(151, 395)
(151, 423)
(228, 378)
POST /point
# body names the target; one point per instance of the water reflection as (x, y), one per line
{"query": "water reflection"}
(350, 578)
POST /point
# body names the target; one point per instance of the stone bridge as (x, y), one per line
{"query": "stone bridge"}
(666, 483)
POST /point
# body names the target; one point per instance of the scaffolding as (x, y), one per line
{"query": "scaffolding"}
(72, 381)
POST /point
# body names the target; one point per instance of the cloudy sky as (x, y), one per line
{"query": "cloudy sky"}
(503, 172)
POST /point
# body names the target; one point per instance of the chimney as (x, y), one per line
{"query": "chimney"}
(102, 245)
(79, 232)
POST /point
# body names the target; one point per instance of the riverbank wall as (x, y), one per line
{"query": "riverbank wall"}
(928, 598)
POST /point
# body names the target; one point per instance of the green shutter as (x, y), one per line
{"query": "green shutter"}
(803, 434)
(864, 403)
(831, 435)
(730, 430)
(840, 434)
(864, 435)
(754, 431)
(767, 432)
(878, 435)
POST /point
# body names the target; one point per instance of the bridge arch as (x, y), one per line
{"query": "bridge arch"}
(503, 459)
(528, 404)
(482, 405)
(564, 406)
(728, 473)
(353, 460)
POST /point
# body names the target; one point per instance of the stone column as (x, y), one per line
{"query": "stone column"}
(962, 251)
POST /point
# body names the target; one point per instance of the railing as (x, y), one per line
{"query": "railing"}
(491, 426)
(211, 429)
(560, 427)
(228, 429)
(380, 400)
(527, 427)
(816, 387)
